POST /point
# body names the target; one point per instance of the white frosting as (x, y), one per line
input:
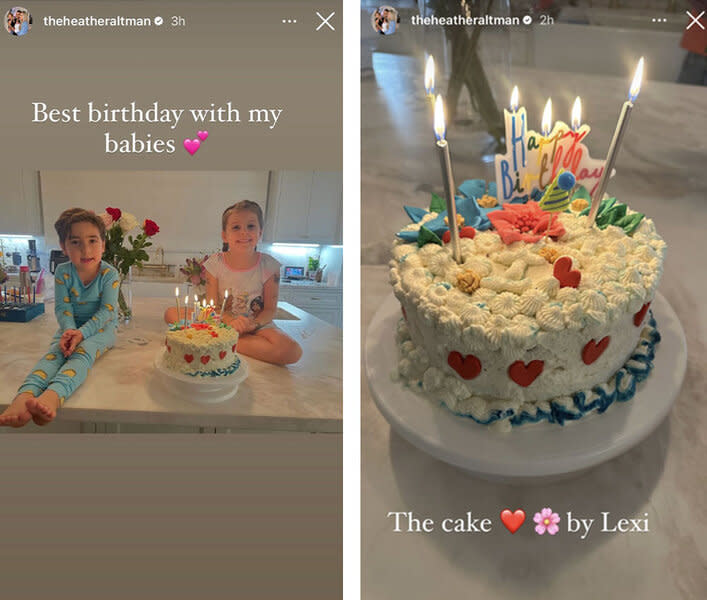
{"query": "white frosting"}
(520, 313)
(198, 351)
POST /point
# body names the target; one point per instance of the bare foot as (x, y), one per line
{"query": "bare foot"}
(43, 408)
(17, 414)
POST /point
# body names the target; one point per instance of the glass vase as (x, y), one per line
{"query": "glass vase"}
(125, 298)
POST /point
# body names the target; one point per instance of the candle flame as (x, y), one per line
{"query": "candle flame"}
(225, 294)
(547, 118)
(430, 76)
(514, 99)
(186, 300)
(636, 83)
(176, 292)
(576, 114)
(440, 124)
(196, 299)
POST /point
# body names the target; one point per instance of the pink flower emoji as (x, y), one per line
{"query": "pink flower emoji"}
(546, 521)
(524, 223)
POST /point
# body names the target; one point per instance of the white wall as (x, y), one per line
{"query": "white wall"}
(186, 205)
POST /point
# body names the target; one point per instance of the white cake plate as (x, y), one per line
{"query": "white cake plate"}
(204, 390)
(535, 452)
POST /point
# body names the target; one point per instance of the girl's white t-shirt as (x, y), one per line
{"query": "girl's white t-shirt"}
(245, 286)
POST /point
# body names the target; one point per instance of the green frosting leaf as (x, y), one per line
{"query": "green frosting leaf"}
(437, 204)
(427, 236)
(630, 222)
(612, 213)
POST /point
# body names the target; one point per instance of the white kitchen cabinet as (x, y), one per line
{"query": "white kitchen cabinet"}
(20, 211)
(304, 207)
(323, 302)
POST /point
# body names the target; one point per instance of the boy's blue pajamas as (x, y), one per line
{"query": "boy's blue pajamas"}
(93, 310)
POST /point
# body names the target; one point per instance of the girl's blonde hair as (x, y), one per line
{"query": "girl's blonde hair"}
(253, 207)
(244, 205)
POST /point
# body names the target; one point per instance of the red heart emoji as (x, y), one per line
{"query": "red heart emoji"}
(524, 374)
(222, 354)
(205, 359)
(513, 520)
(467, 366)
(564, 274)
(188, 357)
(594, 350)
(638, 317)
(233, 348)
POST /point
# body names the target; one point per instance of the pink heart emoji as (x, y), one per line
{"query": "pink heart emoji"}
(191, 146)
(202, 135)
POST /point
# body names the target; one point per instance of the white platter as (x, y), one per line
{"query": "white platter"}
(204, 390)
(540, 451)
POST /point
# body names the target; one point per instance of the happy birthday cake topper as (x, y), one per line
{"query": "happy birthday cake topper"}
(533, 159)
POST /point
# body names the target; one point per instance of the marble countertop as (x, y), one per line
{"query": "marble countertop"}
(124, 387)
(660, 172)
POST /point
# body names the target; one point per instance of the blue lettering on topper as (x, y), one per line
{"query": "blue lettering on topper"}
(515, 139)
(506, 180)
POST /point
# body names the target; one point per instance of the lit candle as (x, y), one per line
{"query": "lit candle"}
(430, 77)
(223, 304)
(176, 297)
(445, 161)
(616, 142)
(576, 114)
(194, 308)
(514, 99)
(186, 311)
(546, 126)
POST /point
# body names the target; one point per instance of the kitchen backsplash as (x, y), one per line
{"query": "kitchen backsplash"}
(289, 255)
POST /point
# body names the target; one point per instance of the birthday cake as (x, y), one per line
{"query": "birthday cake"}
(202, 349)
(545, 317)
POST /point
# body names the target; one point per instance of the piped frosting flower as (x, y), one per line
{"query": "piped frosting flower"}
(524, 222)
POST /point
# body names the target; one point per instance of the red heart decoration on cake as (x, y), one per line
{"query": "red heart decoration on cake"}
(233, 348)
(205, 359)
(594, 350)
(513, 520)
(467, 366)
(564, 274)
(524, 374)
(189, 357)
(222, 354)
(464, 232)
(638, 317)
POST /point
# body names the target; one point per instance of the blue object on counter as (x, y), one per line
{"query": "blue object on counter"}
(20, 313)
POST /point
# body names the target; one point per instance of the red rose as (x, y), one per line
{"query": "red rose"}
(116, 213)
(150, 227)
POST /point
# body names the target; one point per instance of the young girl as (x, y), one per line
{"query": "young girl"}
(86, 296)
(252, 280)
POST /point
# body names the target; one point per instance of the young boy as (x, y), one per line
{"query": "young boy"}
(86, 296)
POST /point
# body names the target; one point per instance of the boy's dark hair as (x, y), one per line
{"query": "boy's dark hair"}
(243, 205)
(77, 215)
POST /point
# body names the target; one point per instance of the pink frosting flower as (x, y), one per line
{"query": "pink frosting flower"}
(524, 222)
(546, 521)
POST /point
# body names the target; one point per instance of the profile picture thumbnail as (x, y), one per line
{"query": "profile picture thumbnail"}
(18, 21)
(385, 20)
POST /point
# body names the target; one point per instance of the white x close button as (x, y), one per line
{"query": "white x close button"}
(695, 20)
(325, 21)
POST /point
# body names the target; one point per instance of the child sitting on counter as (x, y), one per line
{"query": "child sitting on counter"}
(86, 296)
(252, 280)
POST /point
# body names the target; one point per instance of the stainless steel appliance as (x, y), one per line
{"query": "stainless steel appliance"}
(56, 257)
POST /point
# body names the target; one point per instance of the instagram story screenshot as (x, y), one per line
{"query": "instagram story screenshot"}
(171, 299)
(532, 286)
